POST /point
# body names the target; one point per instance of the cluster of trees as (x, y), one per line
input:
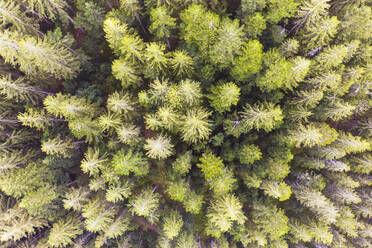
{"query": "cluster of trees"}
(185, 123)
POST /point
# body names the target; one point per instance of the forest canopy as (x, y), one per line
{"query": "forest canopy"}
(185, 123)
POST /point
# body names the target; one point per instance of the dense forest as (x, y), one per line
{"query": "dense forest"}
(185, 123)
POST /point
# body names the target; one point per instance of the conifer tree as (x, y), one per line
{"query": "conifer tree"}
(49, 8)
(67, 106)
(114, 33)
(146, 204)
(125, 72)
(170, 123)
(224, 96)
(58, 146)
(277, 190)
(172, 224)
(64, 231)
(132, 48)
(128, 134)
(199, 32)
(20, 91)
(249, 61)
(93, 162)
(307, 136)
(312, 12)
(280, 9)
(120, 103)
(181, 64)
(161, 22)
(76, 198)
(17, 224)
(190, 92)
(321, 33)
(11, 13)
(264, 116)
(126, 161)
(249, 154)
(195, 125)
(222, 213)
(37, 118)
(278, 73)
(211, 166)
(254, 24)
(182, 164)
(229, 40)
(159, 147)
(177, 190)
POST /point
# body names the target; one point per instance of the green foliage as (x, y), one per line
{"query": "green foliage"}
(18, 90)
(172, 224)
(92, 162)
(249, 61)
(251, 181)
(36, 118)
(278, 73)
(306, 136)
(199, 32)
(91, 18)
(229, 40)
(264, 116)
(11, 14)
(271, 219)
(311, 12)
(182, 165)
(145, 204)
(76, 199)
(177, 190)
(254, 24)
(116, 193)
(159, 148)
(156, 60)
(336, 110)
(222, 213)
(211, 166)
(85, 127)
(318, 203)
(321, 33)
(17, 224)
(132, 7)
(224, 183)
(249, 153)
(352, 144)
(181, 64)
(40, 202)
(64, 231)
(187, 124)
(38, 56)
(58, 146)
(127, 160)
(195, 125)
(224, 96)
(114, 33)
(51, 9)
(193, 202)
(132, 48)
(161, 22)
(70, 107)
(277, 190)
(120, 103)
(362, 164)
(279, 9)
(186, 240)
(125, 72)
(109, 121)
